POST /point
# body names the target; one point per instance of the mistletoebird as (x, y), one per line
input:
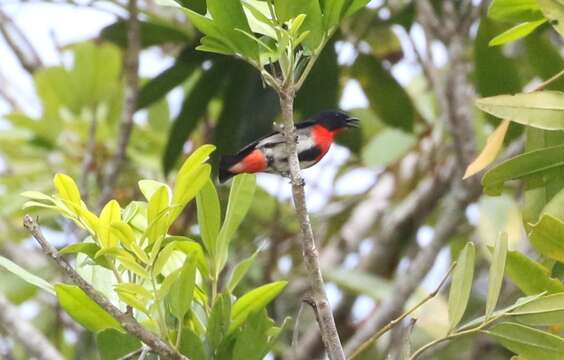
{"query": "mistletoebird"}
(268, 154)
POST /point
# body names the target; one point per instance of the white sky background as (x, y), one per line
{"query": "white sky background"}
(49, 25)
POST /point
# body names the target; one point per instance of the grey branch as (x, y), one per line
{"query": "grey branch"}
(19, 44)
(131, 70)
(32, 339)
(320, 303)
(126, 320)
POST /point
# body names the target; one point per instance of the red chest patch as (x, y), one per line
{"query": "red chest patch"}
(322, 138)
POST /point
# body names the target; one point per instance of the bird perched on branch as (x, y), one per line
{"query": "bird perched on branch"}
(268, 154)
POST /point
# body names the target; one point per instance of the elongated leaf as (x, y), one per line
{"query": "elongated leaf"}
(113, 344)
(540, 109)
(490, 151)
(193, 108)
(219, 320)
(497, 269)
(88, 248)
(181, 293)
(547, 237)
(514, 10)
(554, 12)
(546, 310)
(313, 21)
(517, 32)
(531, 165)
(26, 275)
(209, 216)
(239, 272)
(240, 199)
(67, 188)
(387, 97)
(156, 214)
(85, 311)
(151, 33)
(149, 187)
(252, 341)
(461, 285)
(191, 345)
(253, 301)
(527, 341)
(110, 213)
(529, 276)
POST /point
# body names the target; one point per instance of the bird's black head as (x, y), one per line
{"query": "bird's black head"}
(335, 120)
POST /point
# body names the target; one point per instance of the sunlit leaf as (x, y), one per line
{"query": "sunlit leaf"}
(181, 292)
(497, 269)
(517, 32)
(547, 237)
(514, 10)
(209, 216)
(26, 275)
(546, 310)
(529, 276)
(554, 12)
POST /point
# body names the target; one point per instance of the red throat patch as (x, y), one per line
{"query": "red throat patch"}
(252, 163)
(323, 138)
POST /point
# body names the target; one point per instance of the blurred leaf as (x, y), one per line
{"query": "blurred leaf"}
(113, 344)
(387, 97)
(553, 10)
(544, 59)
(191, 345)
(358, 282)
(240, 199)
(253, 301)
(209, 214)
(546, 310)
(82, 309)
(152, 33)
(252, 341)
(181, 293)
(528, 342)
(239, 271)
(490, 151)
(196, 5)
(461, 285)
(26, 275)
(531, 164)
(529, 276)
(517, 32)
(193, 108)
(355, 5)
(219, 320)
(555, 207)
(386, 147)
(156, 88)
(540, 109)
(497, 269)
(514, 10)
(547, 237)
(286, 10)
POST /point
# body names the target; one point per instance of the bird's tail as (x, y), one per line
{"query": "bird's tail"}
(225, 163)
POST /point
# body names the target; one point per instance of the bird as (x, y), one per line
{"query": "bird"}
(267, 154)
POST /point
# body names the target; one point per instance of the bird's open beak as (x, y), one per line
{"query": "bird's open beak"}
(352, 122)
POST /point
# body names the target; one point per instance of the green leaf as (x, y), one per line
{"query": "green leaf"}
(193, 108)
(555, 207)
(240, 199)
(461, 285)
(252, 342)
(151, 33)
(156, 214)
(517, 32)
(219, 320)
(26, 275)
(181, 292)
(547, 310)
(547, 237)
(535, 164)
(553, 10)
(110, 213)
(253, 301)
(359, 282)
(89, 249)
(529, 276)
(515, 10)
(209, 216)
(356, 5)
(113, 344)
(125, 233)
(387, 146)
(495, 278)
(387, 97)
(191, 345)
(540, 109)
(157, 87)
(84, 310)
(313, 22)
(528, 342)
(67, 188)
(149, 187)
(239, 271)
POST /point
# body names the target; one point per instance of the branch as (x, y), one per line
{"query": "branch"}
(131, 69)
(19, 44)
(321, 304)
(126, 320)
(32, 339)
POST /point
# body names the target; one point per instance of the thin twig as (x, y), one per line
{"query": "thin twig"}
(32, 339)
(397, 320)
(131, 70)
(19, 44)
(126, 320)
